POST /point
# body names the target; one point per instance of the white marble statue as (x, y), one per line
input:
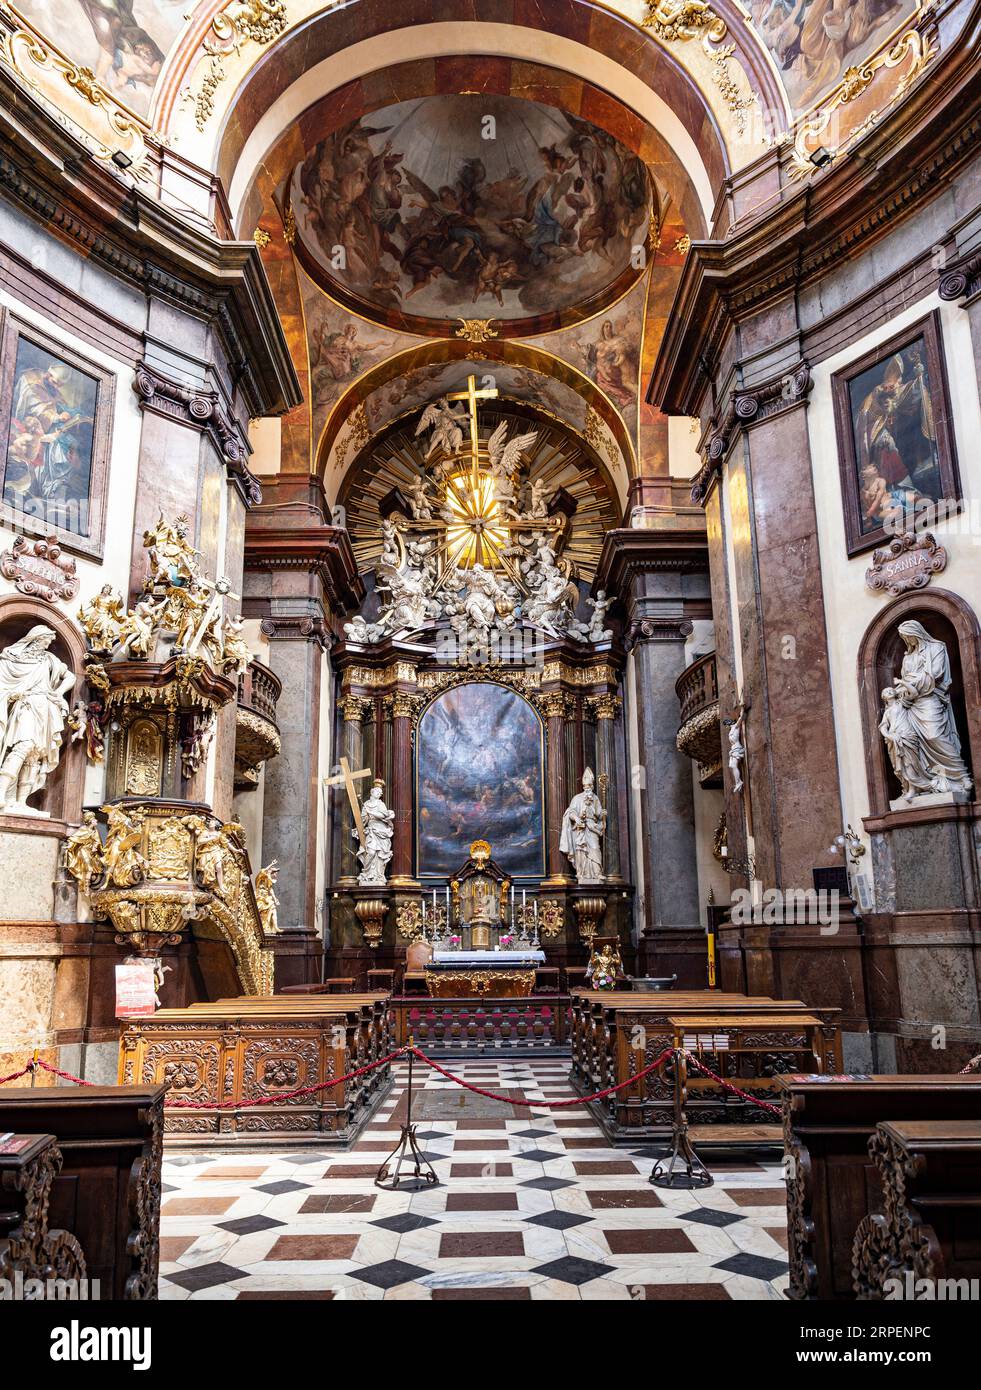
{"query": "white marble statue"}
(596, 632)
(447, 422)
(33, 712)
(376, 847)
(737, 750)
(551, 600)
(918, 722)
(483, 602)
(583, 826)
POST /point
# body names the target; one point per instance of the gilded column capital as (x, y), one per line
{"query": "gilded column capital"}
(555, 703)
(605, 706)
(354, 708)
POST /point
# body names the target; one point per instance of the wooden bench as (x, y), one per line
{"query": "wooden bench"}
(244, 1050)
(618, 1033)
(724, 1041)
(107, 1192)
(930, 1226)
(832, 1182)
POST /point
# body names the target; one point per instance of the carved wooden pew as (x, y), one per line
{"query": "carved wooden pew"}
(619, 1033)
(264, 1048)
(930, 1226)
(107, 1192)
(29, 1248)
(832, 1183)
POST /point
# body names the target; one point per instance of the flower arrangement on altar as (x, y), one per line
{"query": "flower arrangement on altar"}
(602, 979)
(507, 942)
(454, 941)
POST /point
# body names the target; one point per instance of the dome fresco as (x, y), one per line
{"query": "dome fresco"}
(471, 206)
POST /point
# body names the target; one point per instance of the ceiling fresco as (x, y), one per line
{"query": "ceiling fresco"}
(814, 41)
(452, 207)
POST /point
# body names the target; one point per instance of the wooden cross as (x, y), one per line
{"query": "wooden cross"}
(348, 777)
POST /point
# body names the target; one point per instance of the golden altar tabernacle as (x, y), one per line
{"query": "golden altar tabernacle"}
(477, 958)
(479, 893)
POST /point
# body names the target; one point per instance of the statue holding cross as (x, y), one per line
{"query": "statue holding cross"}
(373, 824)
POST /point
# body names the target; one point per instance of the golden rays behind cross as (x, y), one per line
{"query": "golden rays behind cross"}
(481, 532)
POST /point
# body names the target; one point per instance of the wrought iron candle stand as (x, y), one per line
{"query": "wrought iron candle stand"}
(407, 1151)
(668, 1173)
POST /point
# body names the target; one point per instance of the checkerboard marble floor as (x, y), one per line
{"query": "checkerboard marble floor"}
(532, 1204)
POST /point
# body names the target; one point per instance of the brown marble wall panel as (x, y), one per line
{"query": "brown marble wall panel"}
(724, 658)
(799, 718)
(167, 484)
(739, 534)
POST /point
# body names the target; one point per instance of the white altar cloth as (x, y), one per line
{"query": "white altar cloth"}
(490, 957)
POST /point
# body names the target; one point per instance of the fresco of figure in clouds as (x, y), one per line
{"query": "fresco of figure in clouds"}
(546, 214)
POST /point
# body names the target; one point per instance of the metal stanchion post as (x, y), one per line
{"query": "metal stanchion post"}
(695, 1173)
(407, 1151)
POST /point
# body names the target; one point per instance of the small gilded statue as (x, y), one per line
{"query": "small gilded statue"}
(83, 852)
(122, 855)
(102, 618)
(265, 897)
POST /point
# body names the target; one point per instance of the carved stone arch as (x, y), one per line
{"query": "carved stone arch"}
(950, 618)
(64, 790)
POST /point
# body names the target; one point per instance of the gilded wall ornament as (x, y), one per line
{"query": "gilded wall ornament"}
(912, 48)
(685, 20)
(476, 330)
(40, 569)
(238, 23)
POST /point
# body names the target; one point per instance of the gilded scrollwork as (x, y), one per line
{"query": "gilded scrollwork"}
(912, 48)
(156, 872)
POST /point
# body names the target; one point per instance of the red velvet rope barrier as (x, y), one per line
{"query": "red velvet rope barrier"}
(65, 1075)
(745, 1095)
(393, 1056)
(543, 1104)
(14, 1075)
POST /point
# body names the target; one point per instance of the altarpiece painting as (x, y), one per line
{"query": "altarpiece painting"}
(479, 775)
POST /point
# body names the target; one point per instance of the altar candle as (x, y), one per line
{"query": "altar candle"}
(447, 905)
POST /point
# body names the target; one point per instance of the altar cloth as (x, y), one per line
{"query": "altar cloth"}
(491, 959)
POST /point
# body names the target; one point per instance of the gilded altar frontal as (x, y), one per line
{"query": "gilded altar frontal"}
(490, 661)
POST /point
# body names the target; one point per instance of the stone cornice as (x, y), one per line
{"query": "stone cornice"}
(324, 551)
(202, 410)
(53, 178)
(743, 410)
(899, 165)
(628, 553)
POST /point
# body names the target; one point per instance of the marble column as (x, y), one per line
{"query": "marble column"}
(292, 781)
(403, 711)
(607, 710)
(554, 705)
(354, 710)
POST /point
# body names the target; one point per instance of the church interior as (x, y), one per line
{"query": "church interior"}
(490, 664)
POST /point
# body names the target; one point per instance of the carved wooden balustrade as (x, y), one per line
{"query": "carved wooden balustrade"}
(256, 731)
(699, 731)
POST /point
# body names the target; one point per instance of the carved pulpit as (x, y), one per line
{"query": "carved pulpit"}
(479, 893)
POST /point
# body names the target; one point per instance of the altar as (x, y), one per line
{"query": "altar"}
(483, 974)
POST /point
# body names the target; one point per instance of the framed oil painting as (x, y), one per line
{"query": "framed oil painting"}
(55, 414)
(479, 776)
(895, 438)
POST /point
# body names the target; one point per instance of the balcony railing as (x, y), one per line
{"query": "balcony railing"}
(256, 731)
(259, 689)
(699, 731)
